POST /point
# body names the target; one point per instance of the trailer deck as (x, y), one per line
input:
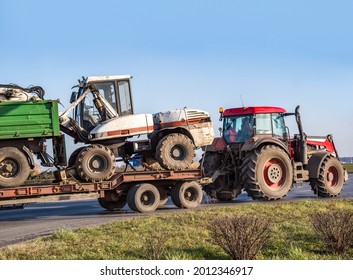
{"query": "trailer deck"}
(69, 189)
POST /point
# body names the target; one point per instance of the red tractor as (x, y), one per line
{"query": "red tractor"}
(257, 154)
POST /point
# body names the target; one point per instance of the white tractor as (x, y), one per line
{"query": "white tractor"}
(103, 118)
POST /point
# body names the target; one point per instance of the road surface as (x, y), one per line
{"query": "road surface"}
(44, 218)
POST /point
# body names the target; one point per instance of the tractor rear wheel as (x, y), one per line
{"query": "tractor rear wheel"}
(95, 163)
(14, 167)
(112, 201)
(143, 198)
(267, 173)
(187, 194)
(331, 178)
(175, 151)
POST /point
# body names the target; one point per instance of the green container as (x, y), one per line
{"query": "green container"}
(29, 119)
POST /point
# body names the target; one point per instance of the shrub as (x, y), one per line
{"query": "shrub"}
(335, 228)
(241, 237)
(154, 244)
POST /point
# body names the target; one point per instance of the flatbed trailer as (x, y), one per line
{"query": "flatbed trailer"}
(143, 191)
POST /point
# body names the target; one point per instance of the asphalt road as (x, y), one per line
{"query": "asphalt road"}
(44, 218)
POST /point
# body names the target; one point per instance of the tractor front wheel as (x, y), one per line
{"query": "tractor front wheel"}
(95, 163)
(267, 173)
(330, 180)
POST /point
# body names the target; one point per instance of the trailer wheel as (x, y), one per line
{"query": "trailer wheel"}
(267, 173)
(14, 167)
(187, 194)
(331, 178)
(112, 201)
(175, 151)
(143, 198)
(95, 163)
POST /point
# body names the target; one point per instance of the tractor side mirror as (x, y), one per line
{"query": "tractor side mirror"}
(220, 129)
(73, 97)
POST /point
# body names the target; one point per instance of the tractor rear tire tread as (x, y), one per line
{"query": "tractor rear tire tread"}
(249, 170)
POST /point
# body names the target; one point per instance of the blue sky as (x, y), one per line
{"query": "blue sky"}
(200, 54)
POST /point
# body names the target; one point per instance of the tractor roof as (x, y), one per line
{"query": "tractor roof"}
(252, 110)
(108, 78)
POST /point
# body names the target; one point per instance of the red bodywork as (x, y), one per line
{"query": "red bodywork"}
(322, 143)
(252, 110)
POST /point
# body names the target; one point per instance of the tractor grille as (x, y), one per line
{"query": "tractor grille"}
(194, 114)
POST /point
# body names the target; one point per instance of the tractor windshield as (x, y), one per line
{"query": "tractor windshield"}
(238, 128)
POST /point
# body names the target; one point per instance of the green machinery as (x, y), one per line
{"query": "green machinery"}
(24, 128)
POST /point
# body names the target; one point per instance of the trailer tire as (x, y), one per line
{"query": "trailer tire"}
(95, 163)
(143, 198)
(267, 173)
(14, 167)
(330, 180)
(112, 201)
(175, 151)
(187, 194)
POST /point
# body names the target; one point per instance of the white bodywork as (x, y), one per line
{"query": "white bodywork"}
(197, 122)
(125, 126)
(16, 95)
(94, 79)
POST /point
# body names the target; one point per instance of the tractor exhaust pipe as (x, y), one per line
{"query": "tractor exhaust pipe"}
(303, 151)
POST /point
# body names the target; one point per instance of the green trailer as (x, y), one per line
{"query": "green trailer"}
(27, 119)
(24, 128)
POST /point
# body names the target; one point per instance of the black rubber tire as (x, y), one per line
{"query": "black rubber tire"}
(72, 159)
(331, 178)
(14, 167)
(211, 162)
(143, 198)
(187, 194)
(111, 201)
(175, 151)
(95, 163)
(267, 174)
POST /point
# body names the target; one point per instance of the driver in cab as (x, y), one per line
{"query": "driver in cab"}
(242, 135)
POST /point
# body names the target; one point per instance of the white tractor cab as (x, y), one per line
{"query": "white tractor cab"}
(103, 118)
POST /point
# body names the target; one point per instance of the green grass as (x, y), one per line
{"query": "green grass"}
(349, 167)
(292, 238)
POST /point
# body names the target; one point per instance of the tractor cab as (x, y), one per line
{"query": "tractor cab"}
(101, 98)
(240, 124)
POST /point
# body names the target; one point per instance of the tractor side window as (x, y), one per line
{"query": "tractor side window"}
(125, 98)
(279, 127)
(263, 124)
